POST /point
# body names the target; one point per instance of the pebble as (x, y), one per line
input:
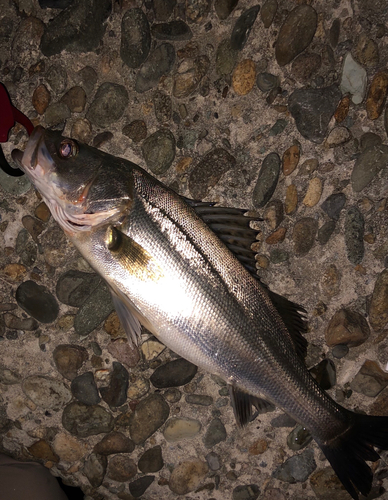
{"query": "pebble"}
(290, 159)
(151, 460)
(268, 12)
(151, 349)
(267, 180)
(43, 451)
(377, 95)
(136, 130)
(114, 442)
(46, 392)
(56, 114)
(278, 127)
(333, 205)
(74, 29)
(297, 468)
(68, 359)
(109, 104)
(216, 433)
(189, 74)
(26, 39)
(15, 323)
(325, 232)
(209, 171)
(386, 120)
(370, 380)
(57, 250)
(139, 386)
(354, 235)
(291, 201)
(163, 9)
(41, 98)
(296, 34)
(199, 399)
(68, 448)
(159, 63)
(173, 374)
(279, 255)
(93, 311)
(274, 214)
(175, 30)
(181, 428)
(159, 151)
(244, 77)
(369, 140)
(267, 81)
(303, 235)
(246, 492)
(305, 66)
(338, 136)
(366, 51)
(299, 438)
(330, 282)
(87, 79)
(242, 28)
(115, 394)
(74, 287)
(138, 487)
(226, 57)
(258, 447)
(348, 328)
(325, 374)
(213, 461)
(187, 476)
(312, 110)
(121, 468)
(56, 77)
(95, 469)
(37, 301)
(368, 165)
(378, 310)
(277, 236)
(353, 79)
(9, 377)
(314, 192)
(84, 389)
(124, 352)
(149, 415)
(162, 106)
(172, 395)
(83, 420)
(75, 99)
(135, 38)
(342, 110)
(224, 8)
(81, 130)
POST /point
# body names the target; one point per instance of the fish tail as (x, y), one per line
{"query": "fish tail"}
(349, 452)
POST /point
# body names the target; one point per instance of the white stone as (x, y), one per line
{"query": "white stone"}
(354, 79)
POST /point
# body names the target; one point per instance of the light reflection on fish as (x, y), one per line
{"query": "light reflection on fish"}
(185, 271)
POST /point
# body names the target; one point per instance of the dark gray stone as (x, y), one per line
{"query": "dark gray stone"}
(151, 460)
(175, 30)
(368, 165)
(56, 114)
(215, 433)
(138, 487)
(354, 235)
(95, 469)
(159, 151)
(163, 9)
(108, 105)
(173, 374)
(283, 420)
(162, 106)
(57, 78)
(334, 204)
(224, 8)
(37, 301)
(243, 27)
(84, 389)
(325, 232)
(226, 58)
(74, 287)
(297, 468)
(158, 64)
(209, 171)
(149, 415)
(199, 399)
(340, 351)
(369, 140)
(94, 310)
(78, 28)
(267, 81)
(267, 180)
(268, 12)
(312, 110)
(87, 79)
(246, 492)
(115, 394)
(69, 358)
(303, 234)
(299, 438)
(82, 420)
(135, 38)
(278, 127)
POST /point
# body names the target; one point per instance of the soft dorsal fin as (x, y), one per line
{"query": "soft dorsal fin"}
(242, 405)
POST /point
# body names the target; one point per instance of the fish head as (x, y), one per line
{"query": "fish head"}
(83, 186)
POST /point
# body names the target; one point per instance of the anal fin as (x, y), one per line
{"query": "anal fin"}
(242, 405)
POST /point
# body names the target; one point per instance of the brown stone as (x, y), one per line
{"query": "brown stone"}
(42, 212)
(121, 468)
(331, 281)
(377, 95)
(41, 98)
(258, 447)
(291, 200)
(378, 312)
(14, 272)
(113, 327)
(244, 77)
(314, 192)
(41, 449)
(277, 236)
(291, 159)
(342, 109)
(347, 327)
(114, 442)
(69, 359)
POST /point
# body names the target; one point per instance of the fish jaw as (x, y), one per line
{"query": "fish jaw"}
(41, 168)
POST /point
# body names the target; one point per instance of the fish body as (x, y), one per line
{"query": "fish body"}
(169, 271)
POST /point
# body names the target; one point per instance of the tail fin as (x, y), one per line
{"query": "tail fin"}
(348, 453)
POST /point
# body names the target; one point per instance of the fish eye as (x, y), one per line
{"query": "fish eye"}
(68, 148)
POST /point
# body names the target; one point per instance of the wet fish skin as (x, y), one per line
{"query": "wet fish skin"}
(168, 271)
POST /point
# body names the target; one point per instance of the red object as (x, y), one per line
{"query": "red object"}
(9, 115)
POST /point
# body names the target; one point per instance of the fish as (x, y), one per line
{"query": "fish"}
(184, 269)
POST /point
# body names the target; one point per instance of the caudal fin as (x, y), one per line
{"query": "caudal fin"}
(349, 452)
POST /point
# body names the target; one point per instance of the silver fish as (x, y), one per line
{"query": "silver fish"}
(169, 271)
